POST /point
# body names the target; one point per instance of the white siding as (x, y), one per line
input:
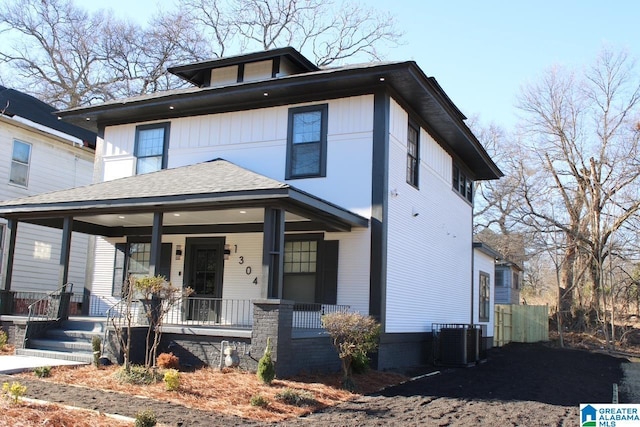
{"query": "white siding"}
(429, 275)
(486, 264)
(55, 164)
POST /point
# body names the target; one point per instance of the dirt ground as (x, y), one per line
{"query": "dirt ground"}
(520, 384)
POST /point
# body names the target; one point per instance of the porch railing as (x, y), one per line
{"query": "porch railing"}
(47, 308)
(211, 312)
(309, 316)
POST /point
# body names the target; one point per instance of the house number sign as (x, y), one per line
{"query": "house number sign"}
(247, 269)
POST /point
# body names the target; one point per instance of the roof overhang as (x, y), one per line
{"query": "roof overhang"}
(405, 80)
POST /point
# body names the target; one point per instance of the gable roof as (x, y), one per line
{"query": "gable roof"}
(16, 103)
(403, 80)
(216, 184)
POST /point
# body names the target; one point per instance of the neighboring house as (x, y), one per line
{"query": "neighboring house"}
(38, 154)
(274, 179)
(508, 282)
(484, 272)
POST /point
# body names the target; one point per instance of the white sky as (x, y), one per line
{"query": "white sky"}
(481, 52)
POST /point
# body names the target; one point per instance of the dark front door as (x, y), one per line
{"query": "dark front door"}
(204, 269)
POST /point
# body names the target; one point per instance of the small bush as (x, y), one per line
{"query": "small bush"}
(296, 398)
(172, 380)
(137, 375)
(14, 391)
(360, 363)
(3, 339)
(146, 419)
(168, 361)
(266, 368)
(42, 371)
(96, 345)
(260, 401)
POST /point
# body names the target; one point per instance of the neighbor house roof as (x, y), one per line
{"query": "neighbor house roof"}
(16, 103)
(403, 80)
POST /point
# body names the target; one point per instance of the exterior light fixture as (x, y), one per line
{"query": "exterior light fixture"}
(178, 252)
(227, 252)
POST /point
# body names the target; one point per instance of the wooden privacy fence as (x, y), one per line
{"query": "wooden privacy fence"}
(520, 323)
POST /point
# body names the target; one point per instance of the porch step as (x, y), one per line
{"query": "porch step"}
(59, 355)
(71, 341)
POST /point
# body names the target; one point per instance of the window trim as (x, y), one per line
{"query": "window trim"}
(413, 173)
(166, 126)
(484, 301)
(28, 164)
(461, 183)
(324, 111)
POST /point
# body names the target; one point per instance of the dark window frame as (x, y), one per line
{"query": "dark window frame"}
(322, 143)
(484, 297)
(15, 161)
(461, 183)
(166, 126)
(121, 262)
(413, 155)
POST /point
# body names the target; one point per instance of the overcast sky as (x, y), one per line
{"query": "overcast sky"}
(481, 52)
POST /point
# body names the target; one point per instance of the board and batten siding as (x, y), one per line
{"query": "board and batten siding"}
(429, 254)
(257, 140)
(483, 263)
(55, 164)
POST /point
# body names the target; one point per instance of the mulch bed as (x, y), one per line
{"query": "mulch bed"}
(519, 384)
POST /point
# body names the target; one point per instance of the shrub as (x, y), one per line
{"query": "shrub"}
(146, 419)
(96, 345)
(266, 369)
(137, 375)
(352, 335)
(296, 398)
(14, 391)
(172, 380)
(42, 371)
(168, 361)
(360, 363)
(257, 400)
(3, 339)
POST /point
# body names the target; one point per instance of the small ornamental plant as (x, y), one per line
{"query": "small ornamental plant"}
(266, 368)
(96, 345)
(172, 380)
(168, 361)
(13, 391)
(146, 419)
(259, 401)
(42, 371)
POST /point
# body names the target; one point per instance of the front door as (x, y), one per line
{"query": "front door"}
(204, 265)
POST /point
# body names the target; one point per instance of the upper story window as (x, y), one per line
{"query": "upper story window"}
(462, 184)
(152, 143)
(413, 147)
(307, 142)
(20, 160)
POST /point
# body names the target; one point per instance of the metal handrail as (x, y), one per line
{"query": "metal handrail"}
(45, 302)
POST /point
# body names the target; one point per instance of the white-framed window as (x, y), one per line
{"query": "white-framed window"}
(20, 161)
(307, 142)
(485, 298)
(152, 143)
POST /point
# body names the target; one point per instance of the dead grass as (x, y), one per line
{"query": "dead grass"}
(8, 349)
(51, 415)
(230, 391)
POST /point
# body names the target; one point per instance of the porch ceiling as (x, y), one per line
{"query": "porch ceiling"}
(215, 196)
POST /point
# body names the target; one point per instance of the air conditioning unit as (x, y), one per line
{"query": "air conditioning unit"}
(457, 344)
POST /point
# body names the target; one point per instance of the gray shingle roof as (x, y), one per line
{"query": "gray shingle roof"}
(213, 177)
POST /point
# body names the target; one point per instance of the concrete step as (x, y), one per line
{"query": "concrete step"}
(88, 324)
(59, 355)
(56, 345)
(72, 335)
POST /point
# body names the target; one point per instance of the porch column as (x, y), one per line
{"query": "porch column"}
(65, 252)
(273, 249)
(156, 244)
(6, 298)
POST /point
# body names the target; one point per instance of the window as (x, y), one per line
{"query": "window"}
(152, 142)
(499, 278)
(413, 146)
(307, 142)
(20, 163)
(300, 266)
(462, 184)
(134, 259)
(515, 284)
(485, 296)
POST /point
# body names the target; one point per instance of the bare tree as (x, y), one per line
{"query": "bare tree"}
(585, 181)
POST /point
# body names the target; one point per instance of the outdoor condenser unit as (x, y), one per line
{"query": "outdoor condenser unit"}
(457, 344)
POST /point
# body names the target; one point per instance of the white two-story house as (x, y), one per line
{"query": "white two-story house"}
(38, 154)
(271, 178)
